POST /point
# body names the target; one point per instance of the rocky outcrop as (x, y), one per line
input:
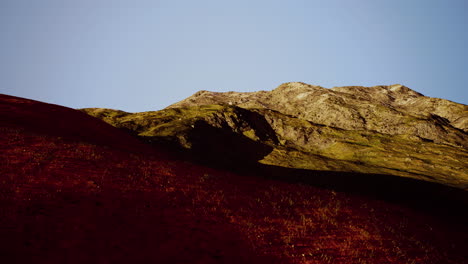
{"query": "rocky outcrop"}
(393, 110)
(381, 130)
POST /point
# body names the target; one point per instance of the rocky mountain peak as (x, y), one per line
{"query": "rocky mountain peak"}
(393, 109)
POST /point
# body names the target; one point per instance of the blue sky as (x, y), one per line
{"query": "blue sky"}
(144, 55)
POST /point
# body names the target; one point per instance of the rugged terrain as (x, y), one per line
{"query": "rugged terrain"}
(390, 130)
(77, 190)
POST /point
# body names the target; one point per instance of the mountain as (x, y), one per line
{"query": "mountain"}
(388, 130)
(74, 189)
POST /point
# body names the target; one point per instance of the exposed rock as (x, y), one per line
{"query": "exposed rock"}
(393, 110)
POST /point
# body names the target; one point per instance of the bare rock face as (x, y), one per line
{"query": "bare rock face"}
(390, 130)
(392, 110)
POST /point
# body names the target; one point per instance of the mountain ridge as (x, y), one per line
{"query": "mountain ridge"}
(298, 94)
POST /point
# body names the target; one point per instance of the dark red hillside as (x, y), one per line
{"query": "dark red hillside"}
(58, 121)
(75, 190)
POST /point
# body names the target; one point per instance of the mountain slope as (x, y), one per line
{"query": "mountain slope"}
(388, 130)
(76, 190)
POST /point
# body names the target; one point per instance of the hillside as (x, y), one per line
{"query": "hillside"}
(77, 190)
(389, 130)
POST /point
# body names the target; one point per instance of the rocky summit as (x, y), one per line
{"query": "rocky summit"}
(385, 130)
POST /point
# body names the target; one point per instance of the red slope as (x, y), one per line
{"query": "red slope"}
(59, 121)
(75, 190)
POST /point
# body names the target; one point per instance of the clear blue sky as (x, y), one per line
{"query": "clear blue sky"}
(144, 55)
